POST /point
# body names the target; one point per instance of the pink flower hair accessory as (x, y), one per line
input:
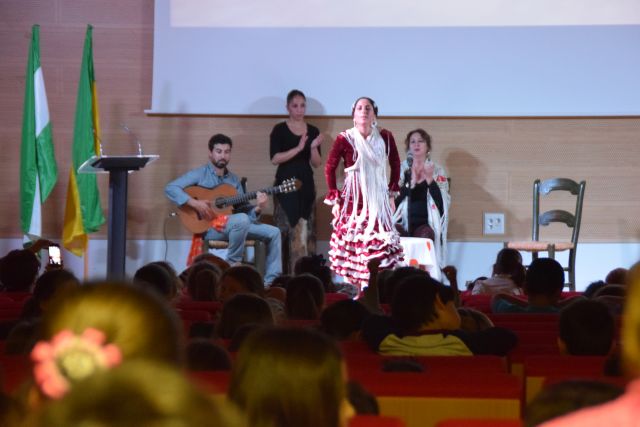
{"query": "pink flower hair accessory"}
(68, 358)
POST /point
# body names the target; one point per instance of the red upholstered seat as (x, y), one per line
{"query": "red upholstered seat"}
(212, 307)
(333, 297)
(14, 371)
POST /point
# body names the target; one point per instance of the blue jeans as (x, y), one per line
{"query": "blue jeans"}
(240, 228)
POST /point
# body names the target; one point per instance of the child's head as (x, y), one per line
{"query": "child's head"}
(18, 270)
(473, 320)
(137, 393)
(305, 297)
(343, 319)
(204, 355)
(94, 327)
(240, 310)
(396, 276)
(421, 302)
(617, 276)
(138, 322)
(545, 278)
(157, 279)
(587, 328)
(315, 265)
(50, 284)
(213, 259)
(240, 279)
(293, 377)
(568, 396)
(509, 262)
(631, 324)
(203, 281)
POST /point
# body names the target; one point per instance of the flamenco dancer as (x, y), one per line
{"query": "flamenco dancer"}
(363, 226)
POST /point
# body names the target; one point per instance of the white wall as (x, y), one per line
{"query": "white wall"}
(473, 259)
(415, 58)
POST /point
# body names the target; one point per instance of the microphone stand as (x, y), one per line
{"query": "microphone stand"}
(407, 183)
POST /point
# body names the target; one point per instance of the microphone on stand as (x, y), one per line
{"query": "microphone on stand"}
(129, 132)
(410, 159)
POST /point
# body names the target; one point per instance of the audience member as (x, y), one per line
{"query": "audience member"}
(137, 393)
(425, 322)
(617, 276)
(290, 378)
(204, 355)
(305, 297)
(50, 285)
(507, 277)
(213, 259)
(241, 335)
(18, 270)
(203, 281)
(586, 329)
(473, 320)
(343, 320)
(240, 279)
(315, 265)
(592, 288)
(156, 279)
(543, 286)
(93, 327)
(240, 310)
(623, 411)
(178, 283)
(568, 396)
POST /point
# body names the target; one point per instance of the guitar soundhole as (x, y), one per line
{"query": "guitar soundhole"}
(219, 203)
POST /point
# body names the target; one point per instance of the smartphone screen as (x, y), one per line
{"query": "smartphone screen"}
(55, 257)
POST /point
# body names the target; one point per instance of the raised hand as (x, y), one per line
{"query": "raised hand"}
(429, 169)
(317, 141)
(302, 142)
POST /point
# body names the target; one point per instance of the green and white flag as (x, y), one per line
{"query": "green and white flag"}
(38, 169)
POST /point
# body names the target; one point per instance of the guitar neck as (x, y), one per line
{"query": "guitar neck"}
(241, 198)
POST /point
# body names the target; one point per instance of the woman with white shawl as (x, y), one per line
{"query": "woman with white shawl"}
(423, 205)
(363, 226)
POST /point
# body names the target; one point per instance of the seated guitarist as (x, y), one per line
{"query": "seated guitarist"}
(243, 223)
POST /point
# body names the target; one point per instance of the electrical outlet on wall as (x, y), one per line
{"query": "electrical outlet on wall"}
(493, 223)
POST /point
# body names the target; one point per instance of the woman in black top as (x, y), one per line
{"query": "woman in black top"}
(295, 148)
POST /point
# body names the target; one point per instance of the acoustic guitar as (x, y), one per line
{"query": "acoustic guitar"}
(222, 199)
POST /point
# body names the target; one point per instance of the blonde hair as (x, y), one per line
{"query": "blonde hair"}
(631, 323)
(141, 393)
(139, 323)
(288, 378)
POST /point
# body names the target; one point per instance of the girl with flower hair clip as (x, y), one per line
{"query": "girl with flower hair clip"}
(94, 328)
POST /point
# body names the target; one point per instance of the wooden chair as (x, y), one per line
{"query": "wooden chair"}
(572, 220)
(259, 251)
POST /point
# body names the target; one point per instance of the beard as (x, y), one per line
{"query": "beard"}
(221, 164)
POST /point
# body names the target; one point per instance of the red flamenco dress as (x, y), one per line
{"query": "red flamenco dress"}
(363, 227)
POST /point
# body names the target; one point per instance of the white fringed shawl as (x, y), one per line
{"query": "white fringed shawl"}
(367, 182)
